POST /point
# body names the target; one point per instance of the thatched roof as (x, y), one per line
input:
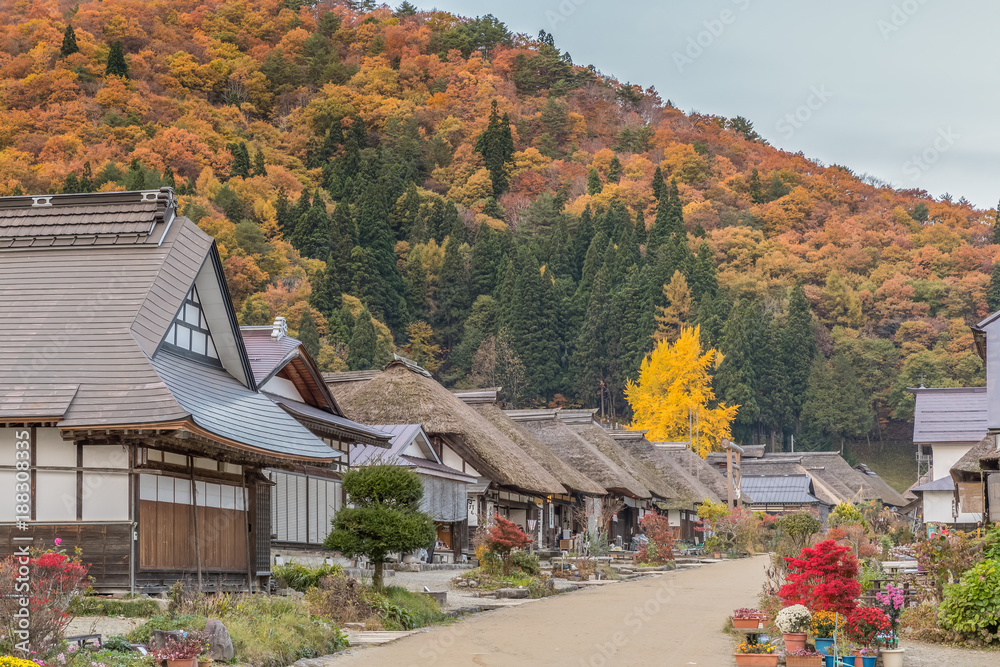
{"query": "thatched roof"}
(401, 396)
(969, 467)
(646, 473)
(579, 453)
(686, 490)
(697, 468)
(538, 450)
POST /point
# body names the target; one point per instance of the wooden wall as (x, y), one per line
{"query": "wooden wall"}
(105, 547)
(167, 538)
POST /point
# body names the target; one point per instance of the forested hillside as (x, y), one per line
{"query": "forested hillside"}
(420, 182)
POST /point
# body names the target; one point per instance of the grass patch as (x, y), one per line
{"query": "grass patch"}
(422, 608)
(895, 462)
(108, 658)
(488, 579)
(303, 577)
(86, 605)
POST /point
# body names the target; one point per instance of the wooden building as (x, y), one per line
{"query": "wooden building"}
(304, 498)
(509, 482)
(127, 384)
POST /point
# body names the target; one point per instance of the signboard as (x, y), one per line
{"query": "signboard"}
(473, 512)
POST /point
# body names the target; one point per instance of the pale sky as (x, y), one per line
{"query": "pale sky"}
(901, 89)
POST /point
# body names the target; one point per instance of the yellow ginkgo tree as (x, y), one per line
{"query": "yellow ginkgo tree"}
(673, 398)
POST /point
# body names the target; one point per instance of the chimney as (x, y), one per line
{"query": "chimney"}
(279, 329)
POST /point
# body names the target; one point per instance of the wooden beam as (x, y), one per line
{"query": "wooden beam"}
(197, 536)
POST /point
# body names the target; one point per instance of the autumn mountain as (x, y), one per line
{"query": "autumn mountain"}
(416, 180)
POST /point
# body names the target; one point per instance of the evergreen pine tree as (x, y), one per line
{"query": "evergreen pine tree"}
(993, 291)
(362, 350)
(71, 184)
(703, 273)
(798, 349)
(996, 226)
(496, 145)
(116, 61)
(87, 178)
(493, 209)
(69, 45)
(168, 177)
(311, 234)
(241, 160)
(283, 209)
(640, 228)
(375, 234)
(308, 334)
(756, 194)
(454, 296)
(659, 187)
(581, 242)
(259, 165)
(593, 182)
(614, 170)
(738, 380)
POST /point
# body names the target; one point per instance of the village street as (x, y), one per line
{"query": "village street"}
(673, 619)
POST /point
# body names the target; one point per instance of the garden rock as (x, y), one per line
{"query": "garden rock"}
(220, 645)
(159, 639)
(513, 593)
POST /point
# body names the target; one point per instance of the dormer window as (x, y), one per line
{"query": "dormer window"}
(189, 332)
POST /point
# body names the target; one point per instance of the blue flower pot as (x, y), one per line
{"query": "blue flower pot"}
(848, 659)
(868, 660)
(822, 645)
(828, 660)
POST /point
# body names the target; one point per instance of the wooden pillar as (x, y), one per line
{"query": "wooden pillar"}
(729, 478)
(197, 535)
(251, 560)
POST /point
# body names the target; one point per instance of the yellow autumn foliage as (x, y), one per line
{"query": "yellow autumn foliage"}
(673, 396)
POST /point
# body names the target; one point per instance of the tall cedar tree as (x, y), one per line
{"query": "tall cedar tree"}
(116, 61)
(362, 349)
(798, 349)
(375, 235)
(308, 334)
(593, 182)
(531, 319)
(69, 45)
(496, 145)
(241, 165)
(993, 291)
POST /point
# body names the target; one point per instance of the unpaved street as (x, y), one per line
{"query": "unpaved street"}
(673, 619)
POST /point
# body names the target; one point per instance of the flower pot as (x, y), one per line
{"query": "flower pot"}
(824, 644)
(892, 657)
(190, 662)
(207, 662)
(794, 641)
(867, 660)
(849, 660)
(717, 555)
(803, 661)
(756, 659)
(746, 623)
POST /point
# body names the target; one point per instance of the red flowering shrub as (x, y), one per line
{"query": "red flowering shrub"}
(503, 537)
(865, 624)
(47, 580)
(824, 577)
(660, 545)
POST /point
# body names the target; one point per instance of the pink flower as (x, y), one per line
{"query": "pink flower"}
(58, 541)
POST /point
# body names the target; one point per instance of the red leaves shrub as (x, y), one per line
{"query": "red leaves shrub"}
(53, 578)
(865, 624)
(503, 537)
(660, 547)
(824, 577)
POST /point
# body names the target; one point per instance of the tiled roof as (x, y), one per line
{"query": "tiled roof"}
(949, 415)
(778, 489)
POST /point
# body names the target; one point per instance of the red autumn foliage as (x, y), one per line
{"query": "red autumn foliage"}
(660, 547)
(503, 537)
(865, 624)
(824, 577)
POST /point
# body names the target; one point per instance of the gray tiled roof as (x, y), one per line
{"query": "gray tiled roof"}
(949, 415)
(779, 489)
(368, 435)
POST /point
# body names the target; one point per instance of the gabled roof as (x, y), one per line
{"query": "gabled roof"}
(944, 484)
(643, 471)
(97, 281)
(949, 415)
(779, 489)
(578, 453)
(399, 395)
(690, 479)
(402, 436)
(969, 468)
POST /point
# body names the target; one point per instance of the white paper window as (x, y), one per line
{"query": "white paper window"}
(165, 489)
(176, 459)
(182, 491)
(147, 487)
(228, 498)
(55, 496)
(213, 496)
(189, 331)
(7, 506)
(52, 450)
(105, 497)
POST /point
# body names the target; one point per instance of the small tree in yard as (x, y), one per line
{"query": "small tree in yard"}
(660, 547)
(823, 577)
(503, 537)
(383, 516)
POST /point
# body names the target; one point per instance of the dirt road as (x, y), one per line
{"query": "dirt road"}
(673, 619)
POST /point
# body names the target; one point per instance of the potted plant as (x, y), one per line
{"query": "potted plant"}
(891, 603)
(794, 625)
(868, 656)
(823, 625)
(865, 625)
(746, 618)
(181, 652)
(803, 658)
(713, 545)
(754, 654)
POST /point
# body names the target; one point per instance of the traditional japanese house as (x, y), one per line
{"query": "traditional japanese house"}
(445, 488)
(305, 497)
(560, 516)
(623, 490)
(125, 380)
(509, 482)
(977, 481)
(779, 494)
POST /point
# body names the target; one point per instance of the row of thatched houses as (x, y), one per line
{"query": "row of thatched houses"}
(141, 423)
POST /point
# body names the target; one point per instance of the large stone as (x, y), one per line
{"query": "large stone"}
(220, 645)
(159, 638)
(512, 593)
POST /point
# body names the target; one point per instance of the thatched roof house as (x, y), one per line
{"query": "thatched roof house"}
(675, 468)
(696, 467)
(568, 475)
(400, 395)
(975, 496)
(578, 453)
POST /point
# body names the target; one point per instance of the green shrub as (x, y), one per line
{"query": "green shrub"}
(118, 643)
(972, 606)
(303, 577)
(846, 514)
(107, 658)
(870, 570)
(86, 605)
(422, 610)
(143, 633)
(526, 562)
(991, 543)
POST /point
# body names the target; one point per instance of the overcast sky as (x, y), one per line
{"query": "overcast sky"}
(903, 90)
